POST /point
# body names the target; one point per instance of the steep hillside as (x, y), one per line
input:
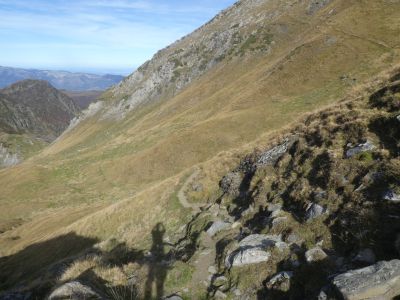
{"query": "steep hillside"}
(59, 79)
(32, 114)
(94, 201)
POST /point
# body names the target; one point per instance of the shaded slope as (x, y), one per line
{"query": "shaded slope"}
(36, 107)
(32, 114)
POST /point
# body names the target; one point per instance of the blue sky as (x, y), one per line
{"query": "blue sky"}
(99, 36)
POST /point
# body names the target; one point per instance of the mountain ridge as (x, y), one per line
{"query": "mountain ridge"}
(32, 114)
(74, 81)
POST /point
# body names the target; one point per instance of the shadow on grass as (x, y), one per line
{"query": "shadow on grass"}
(37, 268)
(53, 255)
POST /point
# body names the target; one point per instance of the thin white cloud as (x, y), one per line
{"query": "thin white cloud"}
(94, 33)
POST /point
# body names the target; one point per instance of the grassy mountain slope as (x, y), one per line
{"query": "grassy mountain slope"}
(122, 166)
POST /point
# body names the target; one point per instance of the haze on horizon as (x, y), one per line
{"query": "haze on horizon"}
(96, 36)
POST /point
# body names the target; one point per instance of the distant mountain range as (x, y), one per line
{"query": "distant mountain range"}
(60, 79)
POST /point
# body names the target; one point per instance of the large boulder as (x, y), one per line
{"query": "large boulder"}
(379, 281)
(253, 249)
(74, 290)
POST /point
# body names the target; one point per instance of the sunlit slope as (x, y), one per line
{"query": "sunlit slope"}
(313, 61)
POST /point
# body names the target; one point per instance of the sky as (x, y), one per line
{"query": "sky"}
(97, 36)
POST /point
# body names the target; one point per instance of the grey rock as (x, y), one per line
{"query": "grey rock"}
(217, 227)
(230, 183)
(293, 238)
(315, 254)
(390, 195)
(379, 281)
(279, 280)
(313, 211)
(248, 257)
(220, 295)
(253, 249)
(367, 146)
(365, 256)
(274, 207)
(270, 156)
(73, 290)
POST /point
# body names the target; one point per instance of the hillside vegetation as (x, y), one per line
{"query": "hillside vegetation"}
(90, 206)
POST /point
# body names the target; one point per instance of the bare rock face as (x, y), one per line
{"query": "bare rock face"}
(73, 290)
(379, 281)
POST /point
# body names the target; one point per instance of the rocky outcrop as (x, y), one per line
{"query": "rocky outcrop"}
(380, 281)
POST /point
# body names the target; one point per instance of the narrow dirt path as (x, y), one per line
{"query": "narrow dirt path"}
(182, 196)
(205, 260)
